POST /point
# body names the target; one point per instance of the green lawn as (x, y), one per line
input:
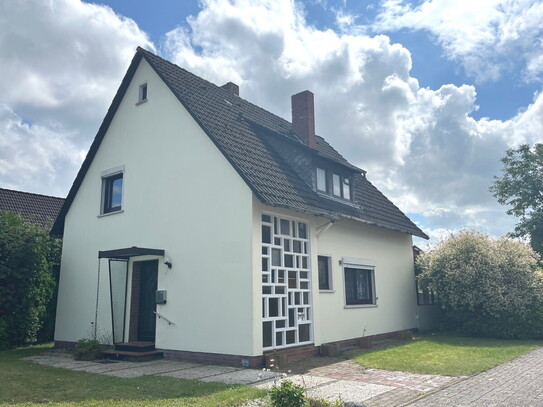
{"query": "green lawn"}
(26, 383)
(445, 355)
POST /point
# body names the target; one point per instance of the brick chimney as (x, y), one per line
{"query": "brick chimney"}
(303, 117)
(231, 87)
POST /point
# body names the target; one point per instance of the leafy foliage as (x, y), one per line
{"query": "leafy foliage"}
(28, 280)
(485, 286)
(87, 349)
(287, 394)
(521, 187)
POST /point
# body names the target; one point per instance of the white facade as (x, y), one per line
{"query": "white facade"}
(181, 195)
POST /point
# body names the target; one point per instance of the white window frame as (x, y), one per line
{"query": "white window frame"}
(104, 176)
(362, 264)
(143, 89)
(336, 184)
(306, 317)
(321, 186)
(330, 280)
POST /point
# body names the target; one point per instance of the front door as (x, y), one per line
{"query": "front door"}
(147, 305)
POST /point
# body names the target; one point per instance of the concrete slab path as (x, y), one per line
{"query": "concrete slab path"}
(325, 378)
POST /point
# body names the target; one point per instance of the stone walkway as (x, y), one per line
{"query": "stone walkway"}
(515, 383)
(325, 378)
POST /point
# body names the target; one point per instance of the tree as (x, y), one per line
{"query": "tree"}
(521, 187)
(28, 280)
(485, 286)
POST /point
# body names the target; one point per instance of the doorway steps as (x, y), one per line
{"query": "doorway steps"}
(133, 352)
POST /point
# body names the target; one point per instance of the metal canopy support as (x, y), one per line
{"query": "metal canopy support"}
(129, 252)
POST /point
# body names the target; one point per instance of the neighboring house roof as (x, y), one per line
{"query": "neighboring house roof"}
(41, 209)
(262, 148)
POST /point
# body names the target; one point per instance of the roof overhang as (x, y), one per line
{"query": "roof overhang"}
(129, 252)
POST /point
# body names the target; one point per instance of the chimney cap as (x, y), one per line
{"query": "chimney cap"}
(231, 87)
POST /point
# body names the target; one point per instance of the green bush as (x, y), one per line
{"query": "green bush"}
(485, 286)
(28, 282)
(87, 349)
(287, 394)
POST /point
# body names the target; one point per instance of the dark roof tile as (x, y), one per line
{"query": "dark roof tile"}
(242, 132)
(41, 209)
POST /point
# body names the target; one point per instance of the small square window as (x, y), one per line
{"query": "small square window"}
(325, 277)
(112, 193)
(142, 97)
(359, 286)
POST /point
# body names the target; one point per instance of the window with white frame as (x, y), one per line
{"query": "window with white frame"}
(333, 183)
(142, 94)
(112, 190)
(325, 272)
(359, 277)
(286, 283)
(321, 179)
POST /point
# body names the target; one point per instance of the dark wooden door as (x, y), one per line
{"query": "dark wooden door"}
(148, 286)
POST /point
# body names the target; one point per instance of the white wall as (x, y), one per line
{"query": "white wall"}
(392, 255)
(180, 195)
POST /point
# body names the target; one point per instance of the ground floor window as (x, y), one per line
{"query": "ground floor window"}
(325, 275)
(359, 284)
(286, 282)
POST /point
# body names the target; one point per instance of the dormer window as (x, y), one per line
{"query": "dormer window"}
(346, 188)
(333, 184)
(321, 179)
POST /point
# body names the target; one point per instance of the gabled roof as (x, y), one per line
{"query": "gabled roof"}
(255, 143)
(41, 209)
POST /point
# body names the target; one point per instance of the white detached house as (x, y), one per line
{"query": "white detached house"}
(218, 231)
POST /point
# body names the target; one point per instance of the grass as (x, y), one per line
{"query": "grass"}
(25, 383)
(445, 355)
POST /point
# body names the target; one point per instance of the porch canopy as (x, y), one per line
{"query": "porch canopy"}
(129, 252)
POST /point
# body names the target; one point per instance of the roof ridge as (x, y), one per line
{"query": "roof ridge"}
(31, 193)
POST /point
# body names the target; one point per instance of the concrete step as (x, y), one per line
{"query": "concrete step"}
(135, 346)
(131, 356)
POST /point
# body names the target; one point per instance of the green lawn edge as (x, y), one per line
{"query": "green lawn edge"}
(24, 383)
(444, 355)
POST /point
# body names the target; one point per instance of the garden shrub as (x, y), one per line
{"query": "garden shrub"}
(485, 286)
(87, 349)
(287, 394)
(27, 281)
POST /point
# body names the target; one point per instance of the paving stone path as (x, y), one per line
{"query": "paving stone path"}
(324, 378)
(516, 383)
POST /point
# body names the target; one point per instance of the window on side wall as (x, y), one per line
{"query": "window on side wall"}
(142, 94)
(112, 190)
(359, 285)
(325, 273)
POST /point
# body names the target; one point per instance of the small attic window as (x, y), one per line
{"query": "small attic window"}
(142, 95)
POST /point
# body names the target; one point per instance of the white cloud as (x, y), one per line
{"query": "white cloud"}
(421, 146)
(488, 37)
(36, 158)
(62, 61)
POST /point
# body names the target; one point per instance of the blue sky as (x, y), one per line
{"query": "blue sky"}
(425, 95)
(497, 99)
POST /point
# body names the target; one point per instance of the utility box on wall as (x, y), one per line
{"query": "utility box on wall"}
(160, 297)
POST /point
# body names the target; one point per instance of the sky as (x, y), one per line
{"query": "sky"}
(425, 95)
